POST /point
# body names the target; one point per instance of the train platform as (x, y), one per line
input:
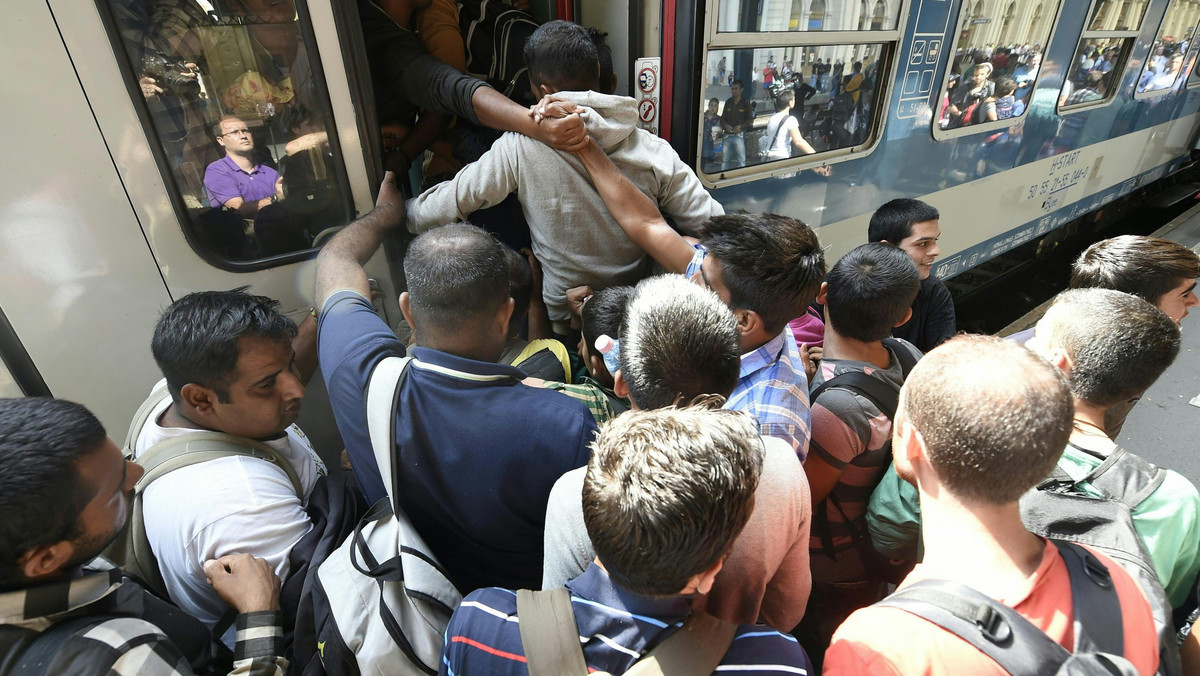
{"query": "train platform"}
(1164, 427)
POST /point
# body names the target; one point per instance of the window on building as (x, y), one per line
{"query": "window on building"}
(235, 101)
(1096, 68)
(794, 96)
(1166, 61)
(995, 66)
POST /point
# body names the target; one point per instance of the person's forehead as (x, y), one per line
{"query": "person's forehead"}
(260, 357)
(924, 230)
(102, 468)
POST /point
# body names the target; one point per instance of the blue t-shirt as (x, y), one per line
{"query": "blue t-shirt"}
(477, 451)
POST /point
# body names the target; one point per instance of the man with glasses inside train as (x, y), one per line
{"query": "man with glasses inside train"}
(237, 181)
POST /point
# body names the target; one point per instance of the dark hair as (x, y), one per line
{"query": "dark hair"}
(562, 54)
(784, 97)
(771, 264)
(216, 128)
(988, 445)
(1118, 344)
(893, 221)
(604, 55)
(668, 491)
(520, 284)
(679, 341)
(714, 100)
(196, 338)
(1005, 85)
(1147, 267)
(41, 494)
(456, 274)
(870, 289)
(738, 83)
(603, 314)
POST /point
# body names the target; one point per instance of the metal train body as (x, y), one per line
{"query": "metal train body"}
(94, 234)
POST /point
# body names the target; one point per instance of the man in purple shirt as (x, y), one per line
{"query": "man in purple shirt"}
(235, 181)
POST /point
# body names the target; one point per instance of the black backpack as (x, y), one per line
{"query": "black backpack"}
(886, 397)
(1060, 509)
(494, 34)
(1018, 646)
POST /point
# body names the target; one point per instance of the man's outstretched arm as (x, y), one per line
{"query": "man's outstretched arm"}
(340, 263)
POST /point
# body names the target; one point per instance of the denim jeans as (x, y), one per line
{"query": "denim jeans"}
(735, 151)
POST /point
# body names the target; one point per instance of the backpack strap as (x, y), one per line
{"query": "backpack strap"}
(696, 648)
(884, 395)
(904, 355)
(1126, 478)
(1095, 607)
(157, 395)
(383, 389)
(549, 635)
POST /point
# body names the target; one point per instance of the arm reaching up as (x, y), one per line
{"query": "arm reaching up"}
(339, 265)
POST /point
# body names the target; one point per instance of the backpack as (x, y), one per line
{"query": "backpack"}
(886, 398)
(550, 641)
(1059, 509)
(494, 35)
(381, 601)
(1016, 644)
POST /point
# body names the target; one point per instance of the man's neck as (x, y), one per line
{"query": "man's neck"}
(175, 417)
(1089, 421)
(838, 346)
(243, 161)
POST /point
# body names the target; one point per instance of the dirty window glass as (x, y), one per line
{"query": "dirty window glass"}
(1167, 54)
(807, 15)
(233, 99)
(1117, 15)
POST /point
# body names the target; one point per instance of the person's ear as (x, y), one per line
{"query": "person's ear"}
(46, 560)
(749, 322)
(198, 399)
(620, 387)
(595, 365)
(702, 582)
(503, 315)
(907, 316)
(406, 309)
(823, 293)
(1059, 358)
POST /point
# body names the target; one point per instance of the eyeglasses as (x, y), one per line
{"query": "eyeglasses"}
(236, 132)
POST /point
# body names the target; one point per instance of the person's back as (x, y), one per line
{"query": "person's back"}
(971, 470)
(555, 192)
(666, 493)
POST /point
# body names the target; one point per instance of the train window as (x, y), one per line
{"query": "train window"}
(996, 64)
(1161, 71)
(783, 89)
(808, 15)
(234, 99)
(1104, 47)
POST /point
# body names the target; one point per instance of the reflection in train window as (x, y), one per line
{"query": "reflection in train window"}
(996, 62)
(1117, 15)
(234, 100)
(797, 101)
(1161, 71)
(1099, 61)
(808, 15)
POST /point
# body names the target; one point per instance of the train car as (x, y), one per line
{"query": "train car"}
(110, 107)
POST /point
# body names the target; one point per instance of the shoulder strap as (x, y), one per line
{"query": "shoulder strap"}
(383, 387)
(696, 648)
(1126, 478)
(200, 446)
(1095, 606)
(549, 635)
(157, 395)
(884, 395)
(36, 659)
(904, 355)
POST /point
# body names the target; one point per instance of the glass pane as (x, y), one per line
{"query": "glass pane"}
(769, 104)
(996, 62)
(1090, 76)
(762, 16)
(1117, 15)
(1165, 62)
(233, 100)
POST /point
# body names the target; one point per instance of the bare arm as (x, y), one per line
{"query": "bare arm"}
(799, 142)
(497, 111)
(539, 318)
(304, 345)
(339, 265)
(635, 213)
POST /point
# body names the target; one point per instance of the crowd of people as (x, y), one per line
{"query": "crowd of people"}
(988, 85)
(751, 463)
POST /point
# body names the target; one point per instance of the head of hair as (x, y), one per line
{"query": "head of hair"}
(604, 54)
(218, 129)
(1005, 85)
(771, 264)
(196, 340)
(41, 492)
(784, 98)
(1147, 267)
(739, 83)
(668, 491)
(870, 290)
(563, 55)
(603, 314)
(678, 342)
(457, 275)
(857, 67)
(1118, 344)
(714, 100)
(893, 221)
(520, 283)
(988, 445)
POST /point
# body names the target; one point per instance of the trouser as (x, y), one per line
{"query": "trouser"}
(735, 151)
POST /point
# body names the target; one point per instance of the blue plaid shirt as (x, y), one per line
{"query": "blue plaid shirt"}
(773, 388)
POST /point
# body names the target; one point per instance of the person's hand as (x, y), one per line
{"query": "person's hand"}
(576, 297)
(822, 170)
(536, 273)
(560, 125)
(247, 583)
(554, 106)
(279, 187)
(390, 201)
(810, 355)
(150, 88)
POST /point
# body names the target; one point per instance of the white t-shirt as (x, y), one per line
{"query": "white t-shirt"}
(223, 506)
(779, 131)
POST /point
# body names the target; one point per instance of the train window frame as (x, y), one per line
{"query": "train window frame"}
(935, 103)
(175, 192)
(715, 40)
(1186, 71)
(1128, 38)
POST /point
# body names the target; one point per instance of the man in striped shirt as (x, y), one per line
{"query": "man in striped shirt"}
(666, 493)
(63, 498)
